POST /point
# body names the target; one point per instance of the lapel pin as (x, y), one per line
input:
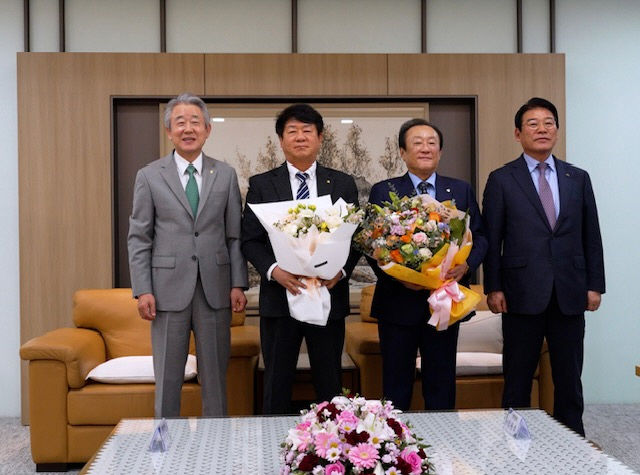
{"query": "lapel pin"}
(210, 172)
(448, 190)
(567, 174)
(328, 181)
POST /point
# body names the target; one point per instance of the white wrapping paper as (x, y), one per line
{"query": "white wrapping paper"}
(315, 255)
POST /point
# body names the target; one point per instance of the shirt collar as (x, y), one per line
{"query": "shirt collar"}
(182, 163)
(532, 163)
(416, 180)
(311, 171)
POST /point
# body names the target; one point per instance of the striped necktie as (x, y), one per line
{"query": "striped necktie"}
(303, 189)
(423, 187)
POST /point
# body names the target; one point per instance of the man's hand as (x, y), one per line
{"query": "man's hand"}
(456, 273)
(147, 306)
(329, 284)
(497, 302)
(286, 279)
(593, 300)
(238, 299)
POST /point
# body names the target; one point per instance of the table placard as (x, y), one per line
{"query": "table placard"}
(160, 439)
(516, 426)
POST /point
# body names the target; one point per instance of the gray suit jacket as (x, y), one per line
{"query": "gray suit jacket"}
(167, 246)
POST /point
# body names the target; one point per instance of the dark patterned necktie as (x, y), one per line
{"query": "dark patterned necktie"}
(303, 189)
(192, 189)
(423, 188)
(546, 197)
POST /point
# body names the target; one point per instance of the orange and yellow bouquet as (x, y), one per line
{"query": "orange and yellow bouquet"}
(417, 240)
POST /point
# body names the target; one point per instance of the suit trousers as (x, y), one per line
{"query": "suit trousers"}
(280, 338)
(399, 346)
(523, 337)
(170, 333)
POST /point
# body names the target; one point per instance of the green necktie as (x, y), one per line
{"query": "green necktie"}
(192, 189)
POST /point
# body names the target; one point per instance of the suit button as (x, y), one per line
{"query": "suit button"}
(197, 234)
(194, 258)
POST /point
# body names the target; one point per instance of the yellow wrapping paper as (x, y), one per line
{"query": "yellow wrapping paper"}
(430, 277)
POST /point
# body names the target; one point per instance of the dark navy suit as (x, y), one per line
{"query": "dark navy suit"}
(545, 275)
(403, 313)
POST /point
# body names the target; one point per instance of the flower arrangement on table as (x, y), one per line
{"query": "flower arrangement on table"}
(352, 435)
(311, 238)
(417, 240)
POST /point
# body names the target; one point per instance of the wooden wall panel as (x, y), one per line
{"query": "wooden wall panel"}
(502, 83)
(65, 189)
(64, 136)
(296, 74)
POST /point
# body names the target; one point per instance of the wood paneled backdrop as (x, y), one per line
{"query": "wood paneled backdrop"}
(65, 136)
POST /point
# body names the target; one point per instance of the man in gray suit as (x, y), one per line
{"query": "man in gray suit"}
(187, 270)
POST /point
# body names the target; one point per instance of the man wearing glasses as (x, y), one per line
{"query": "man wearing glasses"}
(544, 266)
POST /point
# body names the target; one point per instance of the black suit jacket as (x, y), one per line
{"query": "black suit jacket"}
(526, 258)
(392, 301)
(272, 186)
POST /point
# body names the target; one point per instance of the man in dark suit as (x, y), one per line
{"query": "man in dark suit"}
(187, 270)
(544, 266)
(299, 128)
(402, 309)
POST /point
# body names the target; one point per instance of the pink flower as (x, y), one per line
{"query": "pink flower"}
(347, 420)
(413, 459)
(325, 441)
(419, 238)
(364, 455)
(334, 469)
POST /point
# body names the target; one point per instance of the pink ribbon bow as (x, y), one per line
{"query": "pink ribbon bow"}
(440, 302)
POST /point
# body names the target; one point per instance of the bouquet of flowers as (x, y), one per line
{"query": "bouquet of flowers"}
(417, 240)
(352, 435)
(310, 238)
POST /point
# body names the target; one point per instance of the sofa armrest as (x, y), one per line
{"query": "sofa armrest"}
(362, 337)
(79, 349)
(245, 341)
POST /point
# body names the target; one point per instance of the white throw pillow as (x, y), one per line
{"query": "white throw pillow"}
(474, 363)
(483, 333)
(134, 369)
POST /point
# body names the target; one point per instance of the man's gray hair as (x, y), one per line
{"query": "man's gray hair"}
(186, 98)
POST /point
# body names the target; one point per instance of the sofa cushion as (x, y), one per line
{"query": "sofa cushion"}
(482, 333)
(134, 369)
(474, 363)
(106, 404)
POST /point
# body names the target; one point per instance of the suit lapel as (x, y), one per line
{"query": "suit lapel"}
(169, 173)
(443, 189)
(521, 175)
(324, 184)
(281, 184)
(566, 187)
(209, 176)
(405, 187)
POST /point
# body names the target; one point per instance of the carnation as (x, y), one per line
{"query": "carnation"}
(351, 435)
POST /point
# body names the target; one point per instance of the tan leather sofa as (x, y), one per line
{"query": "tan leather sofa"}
(472, 391)
(71, 417)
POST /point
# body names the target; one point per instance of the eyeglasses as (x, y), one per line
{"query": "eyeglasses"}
(547, 124)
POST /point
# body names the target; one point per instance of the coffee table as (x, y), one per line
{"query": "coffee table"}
(463, 442)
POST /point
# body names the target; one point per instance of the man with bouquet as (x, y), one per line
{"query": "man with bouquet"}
(544, 266)
(402, 309)
(299, 128)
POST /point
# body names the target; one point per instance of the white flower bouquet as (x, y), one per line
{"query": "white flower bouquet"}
(310, 238)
